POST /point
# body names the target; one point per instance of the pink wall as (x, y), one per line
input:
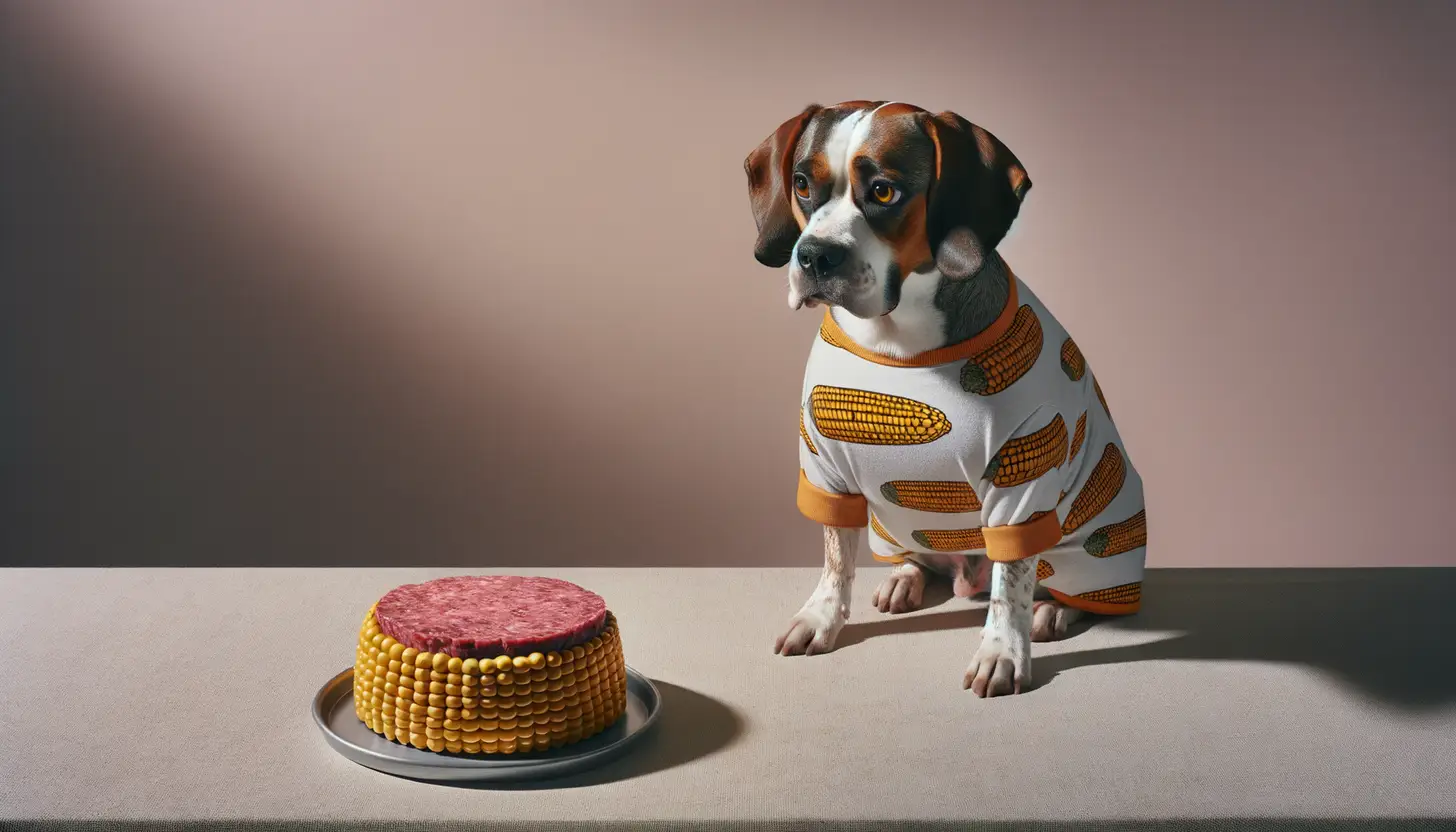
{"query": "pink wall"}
(466, 283)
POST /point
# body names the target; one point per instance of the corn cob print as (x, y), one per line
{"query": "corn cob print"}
(950, 540)
(1044, 570)
(948, 497)
(1101, 398)
(1077, 436)
(884, 535)
(1117, 538)
(867, 418)
(1073, 364)
(1124, 594)
(998, 366)
(1025, 458)
(1104, 484)
(805, 434)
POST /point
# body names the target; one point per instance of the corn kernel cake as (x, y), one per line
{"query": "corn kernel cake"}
(489, 665)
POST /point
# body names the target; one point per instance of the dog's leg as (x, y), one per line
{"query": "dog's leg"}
(1050, 620)
(903, 589)
(1002, 662)
(815, 627)
(974, 576)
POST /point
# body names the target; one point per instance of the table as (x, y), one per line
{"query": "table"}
(1247, 699)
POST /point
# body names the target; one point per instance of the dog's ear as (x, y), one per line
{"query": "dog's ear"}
(977, 192)
(768, 191)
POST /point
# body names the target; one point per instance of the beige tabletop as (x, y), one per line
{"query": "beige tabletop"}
(1244, 699)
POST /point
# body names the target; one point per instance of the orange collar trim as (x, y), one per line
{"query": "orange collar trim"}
(835, 336)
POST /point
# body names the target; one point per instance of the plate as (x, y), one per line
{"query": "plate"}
(333, 711)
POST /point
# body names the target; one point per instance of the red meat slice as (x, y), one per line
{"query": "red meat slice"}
(484, 616)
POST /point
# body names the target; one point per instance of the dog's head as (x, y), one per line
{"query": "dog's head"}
(859, 196)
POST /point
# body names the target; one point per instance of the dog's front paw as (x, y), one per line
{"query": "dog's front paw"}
(1001, 665)
(812, 630)
(902, 590)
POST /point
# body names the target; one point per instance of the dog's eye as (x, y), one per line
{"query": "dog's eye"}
(885, 193)
(801, 185)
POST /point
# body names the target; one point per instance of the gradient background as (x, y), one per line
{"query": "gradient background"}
(471, 283)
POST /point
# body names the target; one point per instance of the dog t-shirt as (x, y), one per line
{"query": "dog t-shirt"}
(1001, 446)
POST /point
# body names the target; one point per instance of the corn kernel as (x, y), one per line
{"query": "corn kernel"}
(470, 667)
(408, 656)
(502, 662)
(422, 659)
(553, 659)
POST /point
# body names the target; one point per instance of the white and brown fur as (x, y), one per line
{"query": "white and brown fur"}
(901, 278)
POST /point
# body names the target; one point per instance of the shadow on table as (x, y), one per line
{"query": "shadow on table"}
(692, 726)
(1384, 633)
(868, 624)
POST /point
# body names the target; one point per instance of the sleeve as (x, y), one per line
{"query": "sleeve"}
(825, 496)
(1021, 487)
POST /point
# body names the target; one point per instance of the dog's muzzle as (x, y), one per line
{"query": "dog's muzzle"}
(820, 259)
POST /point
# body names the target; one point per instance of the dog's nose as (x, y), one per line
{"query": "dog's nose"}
(818, 258)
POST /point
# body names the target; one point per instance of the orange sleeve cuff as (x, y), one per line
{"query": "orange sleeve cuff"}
(1021, 541)
(845, 511)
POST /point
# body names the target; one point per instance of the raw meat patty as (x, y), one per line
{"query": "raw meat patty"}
(484, 616)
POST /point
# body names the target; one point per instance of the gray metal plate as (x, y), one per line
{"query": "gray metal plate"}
(333, 711)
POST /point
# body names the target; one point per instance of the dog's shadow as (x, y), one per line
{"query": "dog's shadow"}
(1384, 633)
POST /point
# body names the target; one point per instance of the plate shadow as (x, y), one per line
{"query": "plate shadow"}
(690, 727)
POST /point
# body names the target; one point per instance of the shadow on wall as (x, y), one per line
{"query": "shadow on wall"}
(191, 382)
(1383, 633)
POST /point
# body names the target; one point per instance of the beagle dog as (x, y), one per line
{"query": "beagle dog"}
(940, 395)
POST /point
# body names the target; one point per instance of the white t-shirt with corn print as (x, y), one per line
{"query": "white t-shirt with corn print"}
(999, 446)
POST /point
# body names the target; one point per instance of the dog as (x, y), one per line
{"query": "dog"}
(944, 408)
